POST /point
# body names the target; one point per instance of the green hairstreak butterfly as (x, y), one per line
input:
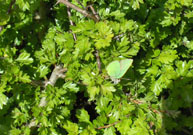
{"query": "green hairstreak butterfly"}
(116, 69)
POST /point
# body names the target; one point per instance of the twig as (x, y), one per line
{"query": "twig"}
(118, 36)
(8, 12)
(94, 12)
(97, 51)
(10, 6)
(95, 17)
(107, 126)
(81, 4)
(191, 111)
(1, 28)
(98, 60)
(84, 12)
(32, 123)
(71, 22)
(186, 131)
(37, 83)
(2, 58)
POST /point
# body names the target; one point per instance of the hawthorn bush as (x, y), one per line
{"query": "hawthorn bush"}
(53, 59)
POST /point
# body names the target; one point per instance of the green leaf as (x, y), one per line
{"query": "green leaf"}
(127, 25)
(71, 128)
(4, 129)
(4, 17)
(134, 50)
(168, 56)
(124, 126)
(24, 58)
(42, 70)
(15, 131)
(85, 27)
(104, 35)
(93, 91)
(71, 87)
(83, 116)
(23, 77)
(102, 104)
(182, 68)
(186, 2)
(117, 14)
(136, 4)
(24, 5)
(89, 131)
(82, 47)
(156, 87)
(3, 100)
(107, 90)
(109, 131)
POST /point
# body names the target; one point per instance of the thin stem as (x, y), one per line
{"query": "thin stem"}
(2, 58)
(186, 131)
(37, 83)
(81, 4)
(71, 22)
(84, 12)
(8, 12)
(10, 6)
(191, 111)
(110, 125)
(98, 60)
(94, 12)
(118, 36)
(1, 28)
(97, 51)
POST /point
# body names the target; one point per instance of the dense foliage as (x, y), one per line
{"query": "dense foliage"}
(155, 96)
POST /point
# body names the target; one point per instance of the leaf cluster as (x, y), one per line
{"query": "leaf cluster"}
(155, 98)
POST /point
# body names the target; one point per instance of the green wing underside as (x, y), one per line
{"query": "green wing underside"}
(117, 69)
(124, 66)
(113, 69)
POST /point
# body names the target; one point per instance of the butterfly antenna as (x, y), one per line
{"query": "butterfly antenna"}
(125, 79)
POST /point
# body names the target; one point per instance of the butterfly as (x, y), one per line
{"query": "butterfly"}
(116, 69)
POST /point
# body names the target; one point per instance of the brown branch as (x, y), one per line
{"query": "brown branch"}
(98, 60)
(8, 12)
(191, 111)
(10, 6)
(94, 12)
(186, 131)
(32, 123)
(118, 36)
(37, 83)
(1, 28)
(110, 125)
(97, 52)
(71, 22)
(57, 73)
(2, 58)
(107, 126)
(84, 12)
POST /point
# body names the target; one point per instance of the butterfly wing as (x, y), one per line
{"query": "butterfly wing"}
(124, 66)
(113, 69)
